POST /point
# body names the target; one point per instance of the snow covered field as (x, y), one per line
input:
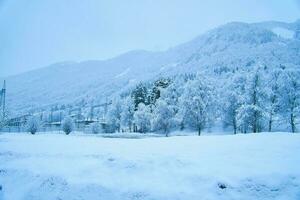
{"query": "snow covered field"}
(56, 166)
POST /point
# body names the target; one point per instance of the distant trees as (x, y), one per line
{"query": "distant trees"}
(254, 100)
(67, 125)
(33, 124)
(249, 101)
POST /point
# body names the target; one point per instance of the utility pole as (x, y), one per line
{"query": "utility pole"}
(2, 102)
(4, 91)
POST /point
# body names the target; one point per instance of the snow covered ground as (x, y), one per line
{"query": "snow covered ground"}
(56, 166)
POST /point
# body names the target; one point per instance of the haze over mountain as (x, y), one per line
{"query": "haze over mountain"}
(224, 49)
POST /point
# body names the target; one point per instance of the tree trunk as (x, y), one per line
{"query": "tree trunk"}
(293, 123)
(234, 126)
(199, 131)
(255, 126)
(270, 122)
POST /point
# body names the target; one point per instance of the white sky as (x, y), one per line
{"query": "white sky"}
(36, 33)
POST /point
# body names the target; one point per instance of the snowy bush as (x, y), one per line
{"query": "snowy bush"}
(67, 125)
(33, 124)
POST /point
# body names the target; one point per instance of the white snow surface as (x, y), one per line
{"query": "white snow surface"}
(285, 33)
(56, 166)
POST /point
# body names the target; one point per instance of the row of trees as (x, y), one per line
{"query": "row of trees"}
(257, 100)
(252, 101)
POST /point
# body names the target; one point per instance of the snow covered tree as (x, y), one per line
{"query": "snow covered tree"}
(114, 116)
(67, 125)
(197, 103)
(142, 118)
(290, 91)
(172, 93)
(127, 113)
(33, 124)
(163, 117)
(232, 100)
(273, 96)
(252, 111)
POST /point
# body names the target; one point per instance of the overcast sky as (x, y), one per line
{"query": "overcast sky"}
(36, 33)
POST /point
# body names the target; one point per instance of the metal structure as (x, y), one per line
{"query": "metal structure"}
(104, 105)
(82, 116)
(2, 98)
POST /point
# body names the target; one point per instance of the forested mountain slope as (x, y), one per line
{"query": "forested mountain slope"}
(230, 48)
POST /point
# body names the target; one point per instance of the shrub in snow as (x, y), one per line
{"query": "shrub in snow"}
(32, 124)
(96, 128)
(67, 125)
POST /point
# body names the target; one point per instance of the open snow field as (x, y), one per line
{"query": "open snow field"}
(60, 167)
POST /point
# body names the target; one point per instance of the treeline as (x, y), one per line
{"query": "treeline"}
(261, 99)
(252, 101)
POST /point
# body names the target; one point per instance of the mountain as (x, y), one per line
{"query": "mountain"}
(234, 46)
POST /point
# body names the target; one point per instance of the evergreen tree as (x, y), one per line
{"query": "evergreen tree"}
(140, 95)
(159, 85)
